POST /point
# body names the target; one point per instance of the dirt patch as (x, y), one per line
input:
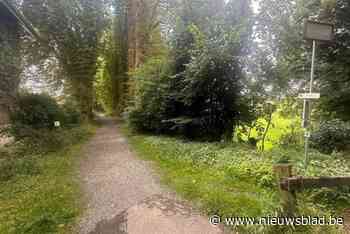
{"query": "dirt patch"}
(157, 215)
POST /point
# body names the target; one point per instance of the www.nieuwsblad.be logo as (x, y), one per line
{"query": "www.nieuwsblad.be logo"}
(276, 221)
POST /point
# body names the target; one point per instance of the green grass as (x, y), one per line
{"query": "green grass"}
(46, 201)
(281, 126)
(235, 180)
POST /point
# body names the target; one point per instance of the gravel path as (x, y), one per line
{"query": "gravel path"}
(121, 192)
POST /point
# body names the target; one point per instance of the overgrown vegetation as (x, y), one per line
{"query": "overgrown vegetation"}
(198, 87)
(215, 71)
(235, 180)
(333, 135)
(38, 188)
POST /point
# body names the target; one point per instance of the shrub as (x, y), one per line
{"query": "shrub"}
(332, 136)
(37, 111)
(201, 101)
(11, 164)
(11, 167)
(71, 114)
(290, 139)
(149, 110)
(20, 158)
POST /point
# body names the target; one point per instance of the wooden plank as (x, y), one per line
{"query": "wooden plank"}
(300, 183)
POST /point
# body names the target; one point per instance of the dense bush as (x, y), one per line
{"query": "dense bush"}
(37, 111)
(202, 101)
(20, 158)
(291, 139)
(71, 114)
(11, 166)
(332, 136)
(149, 110)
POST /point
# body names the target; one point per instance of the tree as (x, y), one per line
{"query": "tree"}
(72, 29)
(198, 95)
(291, 55)
(335, 77)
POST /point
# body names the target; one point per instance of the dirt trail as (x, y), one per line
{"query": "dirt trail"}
(123, 194)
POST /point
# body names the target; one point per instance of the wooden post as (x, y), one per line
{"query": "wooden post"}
(288, 198)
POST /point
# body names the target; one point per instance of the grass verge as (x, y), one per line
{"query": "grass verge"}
(38, 190)
(236, 181)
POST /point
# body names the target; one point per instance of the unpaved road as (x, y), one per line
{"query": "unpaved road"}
(123, 194)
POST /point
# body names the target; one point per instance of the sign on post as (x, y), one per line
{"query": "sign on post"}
(318, 31)
(57, 124)
(309, 96)
(314, 31)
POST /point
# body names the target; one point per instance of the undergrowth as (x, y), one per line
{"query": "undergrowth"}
(236, 180)
(38, 192)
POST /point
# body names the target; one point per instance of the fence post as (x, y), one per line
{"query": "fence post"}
(288, 198)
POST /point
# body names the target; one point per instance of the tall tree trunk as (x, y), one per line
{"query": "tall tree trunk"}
(133, 26)
(10, 63)
(133, 31)
(120, 88)
(81, 72)
(141, 21)
(82, 89)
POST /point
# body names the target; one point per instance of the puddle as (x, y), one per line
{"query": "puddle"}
(157, 215)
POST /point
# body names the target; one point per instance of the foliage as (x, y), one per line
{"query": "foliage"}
(28, 181)
(151, 94)
(290, 56)
(36, 114)
(234, 180)
(20, 157)
(286, 57)
(332, 135)
(285, 130)
(334, 79)
(104, 88)
(207, 174)
(200, 96)
(11, 166)
(209, 87)
(71, 28)
(37, 111)
(31, 172)
(71, 114)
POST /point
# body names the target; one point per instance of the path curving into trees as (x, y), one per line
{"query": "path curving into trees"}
(123, 195)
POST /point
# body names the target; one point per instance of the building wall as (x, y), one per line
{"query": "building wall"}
(10, 63)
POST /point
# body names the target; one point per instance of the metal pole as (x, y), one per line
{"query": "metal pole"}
(312, 64)
(307, 136)
(308, 132)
